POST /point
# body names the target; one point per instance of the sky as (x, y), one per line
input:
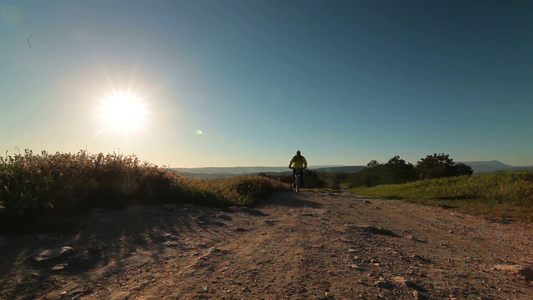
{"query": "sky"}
(247, 83)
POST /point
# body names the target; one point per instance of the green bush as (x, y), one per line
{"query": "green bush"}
(440, 165)
(247, 190)
(395, 171)
(311, 178)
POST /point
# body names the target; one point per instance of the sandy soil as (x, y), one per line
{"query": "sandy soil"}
(305, 246)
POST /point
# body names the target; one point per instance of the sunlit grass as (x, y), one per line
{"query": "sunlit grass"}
(501, 195)
(46, 191)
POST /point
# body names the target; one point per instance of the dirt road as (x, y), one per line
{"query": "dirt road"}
(306, 246)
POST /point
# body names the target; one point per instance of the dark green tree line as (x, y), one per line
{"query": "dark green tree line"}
(397, 170)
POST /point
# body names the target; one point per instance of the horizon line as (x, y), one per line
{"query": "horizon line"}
(333, 165)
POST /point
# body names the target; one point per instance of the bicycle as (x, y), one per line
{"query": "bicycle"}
(297, 178)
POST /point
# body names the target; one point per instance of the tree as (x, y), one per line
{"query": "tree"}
(395, 161)
(436, 166)
(312, 180)
(333, 180)
(401, 171)
(462, 169)
(372, 164)
(396, 170)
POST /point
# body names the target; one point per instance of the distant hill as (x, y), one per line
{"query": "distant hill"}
(230, 170)
(342, 169)
(493, 166)
(224, 172)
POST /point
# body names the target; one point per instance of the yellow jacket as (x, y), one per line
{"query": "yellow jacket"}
(299, 162)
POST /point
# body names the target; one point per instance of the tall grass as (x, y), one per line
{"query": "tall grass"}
(500, 195)
(46, 191)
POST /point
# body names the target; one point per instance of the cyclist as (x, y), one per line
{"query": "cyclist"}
(298, 162)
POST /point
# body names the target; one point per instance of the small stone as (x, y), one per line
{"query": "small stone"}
(53, 253)
(225, 217)
(527, 272)
(422, 259)
(419, 296)
(78, 293)
(95, 245)
(519, 270)
(356, 267)
(408, 283)
(373, 229)
(307, 214)
(215, 250)
(240, 229)
(59, 267)
(385, 285)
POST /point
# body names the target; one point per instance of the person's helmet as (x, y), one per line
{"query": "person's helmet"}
(298, 152)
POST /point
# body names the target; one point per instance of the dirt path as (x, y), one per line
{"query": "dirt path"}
(306, 246)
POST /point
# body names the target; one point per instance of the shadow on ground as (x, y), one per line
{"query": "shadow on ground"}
(110, 241)
(290, 199)
(105, 239)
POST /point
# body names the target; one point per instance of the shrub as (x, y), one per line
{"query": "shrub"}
(440, 165)
(46, 191)
(395, 171)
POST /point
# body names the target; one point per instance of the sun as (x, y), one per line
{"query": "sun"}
(122, 112)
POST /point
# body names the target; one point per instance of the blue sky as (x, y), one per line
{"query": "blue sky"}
(247, 83)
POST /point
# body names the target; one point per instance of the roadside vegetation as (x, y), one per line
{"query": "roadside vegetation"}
(499, 196)
(438, 181)
(395, 171)
(311, 178)
(46, 191)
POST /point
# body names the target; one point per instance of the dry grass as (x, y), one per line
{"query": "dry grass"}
(45, 191)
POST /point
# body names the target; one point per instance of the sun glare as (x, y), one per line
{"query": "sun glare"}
(122, 113)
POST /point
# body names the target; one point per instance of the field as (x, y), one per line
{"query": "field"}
(500, 195)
